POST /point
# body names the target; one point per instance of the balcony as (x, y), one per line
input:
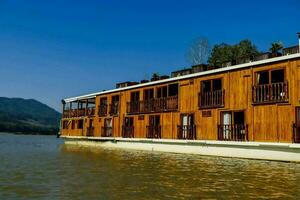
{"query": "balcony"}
(114, 108)
(212, 99)
(102, 110)
(90, 131)
(106, 132)
(296, 133)
(74, 113)
(290, 50)
(153, 132)
(127, 131)
(270, 93)
(90, 112)
(187, 132)
(233, 132)
(165, 104)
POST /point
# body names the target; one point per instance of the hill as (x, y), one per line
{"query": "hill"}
(27, 116)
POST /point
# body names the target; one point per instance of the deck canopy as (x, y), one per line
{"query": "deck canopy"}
(79, 103)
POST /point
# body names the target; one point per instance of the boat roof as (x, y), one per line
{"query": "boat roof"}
(203, 73)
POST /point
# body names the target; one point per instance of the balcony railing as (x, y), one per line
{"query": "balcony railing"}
(74, 113)
(212, 99)
(90, 131)
(114, 108)
(290, 50)
(296, 133)
(66, 114)
(127, 131)
(153, 105)
(153, 132)
(81, 112)
(102, 110)
(233, 132)
(106, 132)
(186, 132)
(90, 112)
(270, 93)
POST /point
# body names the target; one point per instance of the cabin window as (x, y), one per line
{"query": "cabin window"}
(277, 76)
(115, 98)
(206, 86)
(80, 124)
(173, 90)
(108, 123)
(271, 76)
(162, 92)
(65, 124)
(187, 128)
(217, 84)
(135, 96)
(128, 122)
(233, 126)
(229, 118)
(262, 78)
(103, 101)
(148, 94)
(73, 124)
(211, 85)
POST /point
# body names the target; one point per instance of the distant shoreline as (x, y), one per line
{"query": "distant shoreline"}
(27, 133)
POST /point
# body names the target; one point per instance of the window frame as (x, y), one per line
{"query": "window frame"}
(270, 75)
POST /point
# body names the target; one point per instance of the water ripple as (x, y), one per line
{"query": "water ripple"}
(41, 167)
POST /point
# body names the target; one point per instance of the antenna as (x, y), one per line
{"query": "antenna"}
(299, 41)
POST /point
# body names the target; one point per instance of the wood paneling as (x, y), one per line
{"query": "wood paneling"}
(267, 122)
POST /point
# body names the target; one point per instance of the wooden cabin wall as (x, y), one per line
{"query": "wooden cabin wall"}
(266, 122)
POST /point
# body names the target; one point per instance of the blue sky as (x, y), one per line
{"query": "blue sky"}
(54, 49)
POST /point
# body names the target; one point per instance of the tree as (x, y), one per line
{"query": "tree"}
(223, 53)
(246, 49)
(276, 47)
(220, 54)
(155, 77)
(198, 51)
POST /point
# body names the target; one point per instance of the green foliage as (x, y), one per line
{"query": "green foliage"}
(276, 47)
(222, 53)
(27, 116)
(155, 76)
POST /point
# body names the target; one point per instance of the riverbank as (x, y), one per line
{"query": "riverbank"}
(286, 152)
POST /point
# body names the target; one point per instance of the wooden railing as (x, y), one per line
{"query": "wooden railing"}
(90, 112)
(233, 132)
(127, 131)
(102, 110)
(211, 99)
(74, 113)
(66, 114)
(153, 105)
(114, 108)
(270, 93)
(90, 131)
(186, 132)
(106, 132)
(81, 112)
(296, 133)
(153, 132)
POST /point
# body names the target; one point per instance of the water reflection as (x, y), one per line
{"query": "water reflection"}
(153, 175)
(41, 167)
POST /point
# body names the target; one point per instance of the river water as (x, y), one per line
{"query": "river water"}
(42, 167)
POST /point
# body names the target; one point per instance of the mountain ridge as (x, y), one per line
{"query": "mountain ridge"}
(27, 116)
